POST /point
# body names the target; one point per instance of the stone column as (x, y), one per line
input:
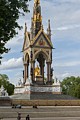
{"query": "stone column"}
(43, 73)
(51, 73)
(33, 71)
(25, 72)
(48, 72)
(42, 70)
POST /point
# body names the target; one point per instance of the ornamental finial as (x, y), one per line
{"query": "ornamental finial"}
(49, 30)
(37, 1)
(25, 27)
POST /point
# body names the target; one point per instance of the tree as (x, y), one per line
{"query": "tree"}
(10, 10)
(71, 86)
(77, 91)
(4, 80)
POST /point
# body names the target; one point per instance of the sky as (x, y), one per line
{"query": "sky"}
(65, 25)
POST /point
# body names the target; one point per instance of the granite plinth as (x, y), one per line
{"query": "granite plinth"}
(39, 80)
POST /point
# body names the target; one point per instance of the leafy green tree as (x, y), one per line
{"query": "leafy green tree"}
(4, 80)
(71, 86)
(10, 10)
(77, 91)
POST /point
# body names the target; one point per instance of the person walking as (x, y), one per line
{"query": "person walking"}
(19, 116)
(27, 117)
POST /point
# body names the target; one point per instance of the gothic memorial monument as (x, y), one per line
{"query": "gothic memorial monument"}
(37, 57)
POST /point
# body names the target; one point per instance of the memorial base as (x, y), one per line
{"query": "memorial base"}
(28, 90)
(39, 80)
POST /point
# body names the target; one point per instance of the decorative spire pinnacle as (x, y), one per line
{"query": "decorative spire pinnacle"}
(25, 27)
(49, 30)
(37, 1)
(42, 27)
(25, 31)
(49, 27)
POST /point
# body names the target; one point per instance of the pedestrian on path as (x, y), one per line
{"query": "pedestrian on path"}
(19, 116)
(27, 117)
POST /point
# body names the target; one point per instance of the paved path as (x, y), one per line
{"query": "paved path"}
(42, 113)
(49, 118)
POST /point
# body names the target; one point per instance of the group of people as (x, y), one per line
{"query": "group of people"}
(19, 117)
(27, 117)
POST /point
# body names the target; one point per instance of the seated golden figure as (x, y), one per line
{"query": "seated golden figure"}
(37, 71)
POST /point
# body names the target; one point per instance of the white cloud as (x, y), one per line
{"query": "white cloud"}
(68, 27)
(61, 76)
(68, 54)
(67, 64)
(11, 64)
(16, 41)
(66, 1)
(65, 75)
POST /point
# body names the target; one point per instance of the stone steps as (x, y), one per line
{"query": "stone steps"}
(43, 96)
(45, 112)
(50, 96)
(40, 115)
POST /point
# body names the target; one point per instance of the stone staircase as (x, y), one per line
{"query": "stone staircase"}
(43, 96)
(49, 96)
(42, 113)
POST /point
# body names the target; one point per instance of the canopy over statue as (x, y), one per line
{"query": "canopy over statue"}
(38, 49)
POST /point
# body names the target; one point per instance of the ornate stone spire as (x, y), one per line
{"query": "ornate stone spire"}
(25, 31)
(36, 19)
(49, 30)
(25, 27)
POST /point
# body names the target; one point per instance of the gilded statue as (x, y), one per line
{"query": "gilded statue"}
(37, 71)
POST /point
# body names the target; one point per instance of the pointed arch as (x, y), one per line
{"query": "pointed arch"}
(45, 55)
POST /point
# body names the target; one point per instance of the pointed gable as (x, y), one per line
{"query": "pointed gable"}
(26, 41)
(42, 40)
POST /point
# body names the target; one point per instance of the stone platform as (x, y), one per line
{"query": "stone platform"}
(5, 101)
(38, 88)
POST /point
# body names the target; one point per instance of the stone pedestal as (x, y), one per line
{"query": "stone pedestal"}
(28, 89)
(39, 80)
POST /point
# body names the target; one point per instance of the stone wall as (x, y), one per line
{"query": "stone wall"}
(47, 102)
(5, 101)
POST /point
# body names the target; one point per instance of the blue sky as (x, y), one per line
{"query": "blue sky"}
(65, 25)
